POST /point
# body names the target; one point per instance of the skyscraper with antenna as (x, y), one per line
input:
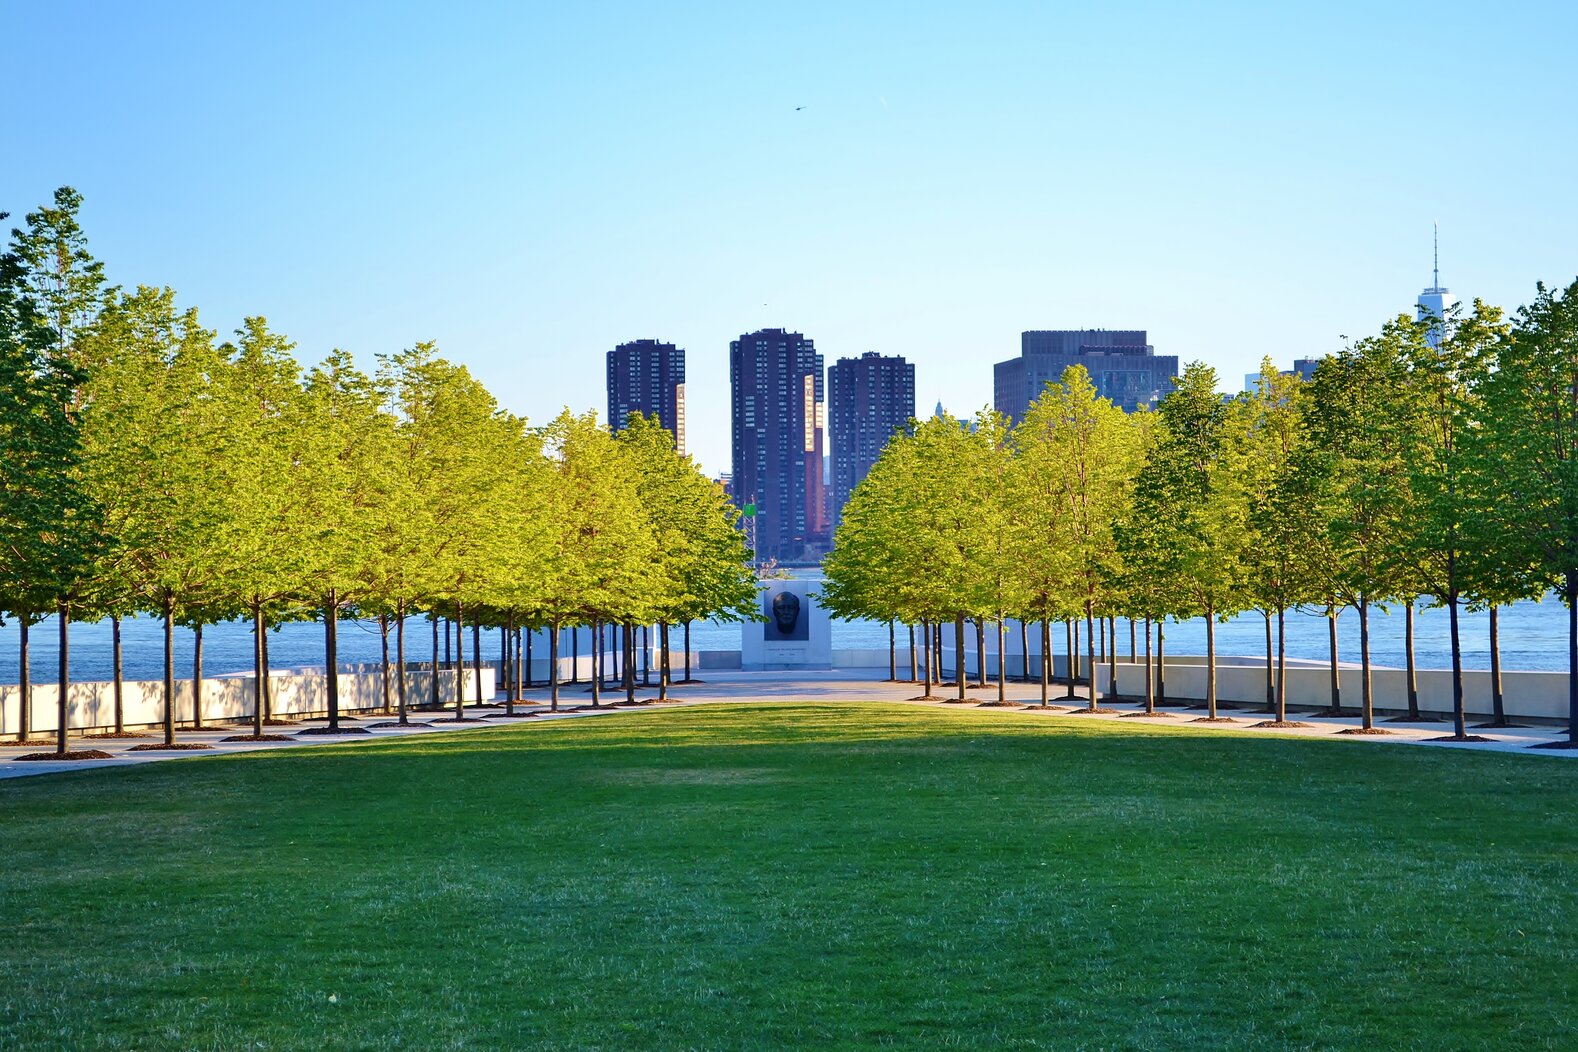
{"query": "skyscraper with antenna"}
(1435, 301)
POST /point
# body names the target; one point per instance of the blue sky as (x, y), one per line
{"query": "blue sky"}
(529, 184)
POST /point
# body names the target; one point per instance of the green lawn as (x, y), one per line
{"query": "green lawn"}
(792, 876)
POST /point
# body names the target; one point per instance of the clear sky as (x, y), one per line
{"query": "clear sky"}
(529, 184)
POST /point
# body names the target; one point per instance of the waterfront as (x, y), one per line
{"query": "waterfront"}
(1533, 638)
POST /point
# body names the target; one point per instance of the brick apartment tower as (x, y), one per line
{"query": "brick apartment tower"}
(779, 416)
(868, 399)
(647, 377)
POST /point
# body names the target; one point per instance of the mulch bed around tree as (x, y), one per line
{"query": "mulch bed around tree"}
(1097, 711)
(123, 736)
(491, 716)
(995, 704)
(1214, 719)
(75, 754)
(958, 701)
(1409, 719)
(1563, 744)
(397, 723)
(1362, 730)
(177, 747)
(331, 731)
(1467, 739)
(1495, 726)
(926, 697)
(631, 704)
(324, 719)
(258, 738)
(1277, 725)
(30, 743)
(447, 720)
(1149, 715)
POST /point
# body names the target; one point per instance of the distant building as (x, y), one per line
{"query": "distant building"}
(1122, 365)
(779, 420)
(648, 377)
(1303, 368)
(1435, 301)
(868, 399)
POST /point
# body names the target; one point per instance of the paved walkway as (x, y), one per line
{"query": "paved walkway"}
(747, 687)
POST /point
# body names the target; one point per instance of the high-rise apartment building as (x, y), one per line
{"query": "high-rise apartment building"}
(868, 399)
(648, 377)
(1122, 365)
(779, 416)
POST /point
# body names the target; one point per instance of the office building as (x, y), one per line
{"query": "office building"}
(868, 399)
(648, 377)
(1435, 301)
(779, 418)
(1122, 365)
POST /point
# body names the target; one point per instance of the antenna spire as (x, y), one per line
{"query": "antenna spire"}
(1435, 252)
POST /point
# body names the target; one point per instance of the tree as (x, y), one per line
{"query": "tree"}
(154, 436)
(1529, 408)
(1284, 478)
(1078, 458)
(1191, 512)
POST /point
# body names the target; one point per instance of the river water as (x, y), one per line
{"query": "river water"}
(1533, 637)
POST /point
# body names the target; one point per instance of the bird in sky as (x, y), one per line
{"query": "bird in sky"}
(797, 109)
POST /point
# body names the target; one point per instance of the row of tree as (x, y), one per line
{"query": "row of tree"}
(1435, 462)
(149, 467)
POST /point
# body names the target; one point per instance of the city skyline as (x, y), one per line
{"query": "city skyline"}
(936, 186)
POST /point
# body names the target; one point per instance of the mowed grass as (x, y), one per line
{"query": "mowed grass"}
(788, 875)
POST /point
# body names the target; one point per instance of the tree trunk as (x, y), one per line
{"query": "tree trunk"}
(1366, 697)
(1498, 707)
(646, 655)
(1210, 661)
(1132, 648)
(1024, 650)
(1161, 661)
(476, 656)
(980, 651)
(599, 659)
(1411, 667)
(1336, 674)
(958, 653)
(663, 666)
(526, 664)
(687, 650)
(506, 666)
(268, 687)
(449, 654)
(400, 661)
(553, 666)
(1046, 661)
(1090, 649)
(437, 668)
(460, 662)
(1112, 653)
(1002, 662)
(914, 672)
(575, 655)
(893, 655)
(1150, 686)
(383, 662)
(1271, 694)
(63, 727)
(257, 668)
(197, 678)
(331, 655)
(926, 665)
(1572, 656)
(1071, 647)
(169, 671)
(1282, 665)
(630, 662)
(118, 679)
(1459, 716)
(24, 681)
